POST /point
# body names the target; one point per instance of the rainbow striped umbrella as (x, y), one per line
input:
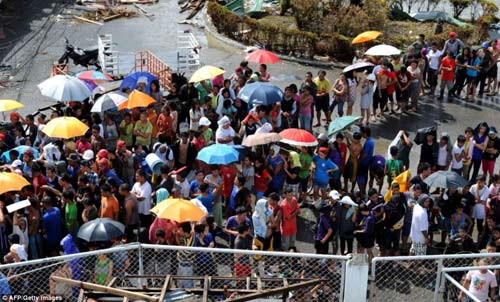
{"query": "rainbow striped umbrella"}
(93, 75)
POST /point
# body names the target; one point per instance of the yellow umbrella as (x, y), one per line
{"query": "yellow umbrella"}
(65, 127)
(366, 36)
(136, 99)
(11, 182)
(179, 210)
(207, 72)
(6, 105)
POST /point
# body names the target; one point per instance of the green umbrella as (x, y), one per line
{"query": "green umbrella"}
(341, 123)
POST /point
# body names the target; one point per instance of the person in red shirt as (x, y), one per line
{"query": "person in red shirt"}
(403, 87)
(391, 88)
(228, 173)
(290, 209)
(262, 178)
(447, 68)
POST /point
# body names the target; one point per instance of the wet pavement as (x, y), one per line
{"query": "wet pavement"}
(36, 40)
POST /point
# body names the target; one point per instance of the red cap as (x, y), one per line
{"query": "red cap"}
(29, 152)
(323, 150)
(14, 115)
(2, 136)
(120, 145)
(103, 161)
(103, 153)
(453, 34)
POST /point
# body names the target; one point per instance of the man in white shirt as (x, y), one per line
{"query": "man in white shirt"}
(420, 226)
(434, 57)
(458, 155)
(481, 194)
(225, 134)
(182, 184)
(142, 190)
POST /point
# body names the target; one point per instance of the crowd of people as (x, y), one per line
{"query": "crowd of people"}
(254, 204)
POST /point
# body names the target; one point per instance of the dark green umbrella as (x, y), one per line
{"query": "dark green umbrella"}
(341, 123)
(101, 229)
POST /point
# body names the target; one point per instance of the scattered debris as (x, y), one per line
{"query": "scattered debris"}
(194, 5)
(88, 20)
(97, 13)
(143, 11)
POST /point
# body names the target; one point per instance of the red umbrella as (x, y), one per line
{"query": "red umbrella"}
(262, 56)
(298, 137)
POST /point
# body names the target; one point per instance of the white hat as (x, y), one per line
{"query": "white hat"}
(224, 121)
(142, 80)
(88, 155)
(323, 136)
(347, 200)
(17, 163)
(204, 121)
(334, 194)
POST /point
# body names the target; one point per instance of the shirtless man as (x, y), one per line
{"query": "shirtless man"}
(351, 166)
(492, 73)
(380, 96)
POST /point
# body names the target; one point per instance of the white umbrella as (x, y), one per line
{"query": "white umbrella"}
(383, 50)
(64, 88)
(109, 101)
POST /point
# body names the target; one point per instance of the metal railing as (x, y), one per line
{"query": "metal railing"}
(139, 266)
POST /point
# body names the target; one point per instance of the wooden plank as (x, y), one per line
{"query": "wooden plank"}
(274, 291)
(87, 20)
(125, 299)
(248, 282)
(106, 19)
(259, 284)
(80, 295)
(205, 289)
(285, 293)
(112, 282)
(106, 289)
(165, 287)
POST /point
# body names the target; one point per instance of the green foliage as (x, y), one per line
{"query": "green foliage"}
(307, 13)
(459, 6)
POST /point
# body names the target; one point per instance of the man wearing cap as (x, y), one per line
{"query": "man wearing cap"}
(453, 44)
(420, 226)
(225, 133)
(335, 209)
(491, 152)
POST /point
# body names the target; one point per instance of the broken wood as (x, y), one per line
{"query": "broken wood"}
(105, 289)
(141, 9)
(196, 9)
(86, 8)
(137, 1)
(165, 287)
(106, 19)
(88, 20)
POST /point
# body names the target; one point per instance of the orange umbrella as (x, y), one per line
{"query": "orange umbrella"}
(366, 36)
(11, 182)
(263, 56)
(137, 99)
(178, 210)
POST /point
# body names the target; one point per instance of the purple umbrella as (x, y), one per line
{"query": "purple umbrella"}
(357, 66)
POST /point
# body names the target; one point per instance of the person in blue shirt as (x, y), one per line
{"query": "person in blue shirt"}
(204, 262)
(194, 186)
(365, 160)
(51, 225)
(234, 222)
(206, 198)
(323, 167)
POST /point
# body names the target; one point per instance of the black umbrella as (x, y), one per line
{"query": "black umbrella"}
(445, 179)
(101, 229)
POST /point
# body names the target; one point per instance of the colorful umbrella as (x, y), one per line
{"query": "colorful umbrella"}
(260, 93)
(261, 139)
(20, 150)
(131, 80)
(298, 137)
(6, 105)
(383, 50)
(262, 56)
(65, 127)
(94, 75)
(339, 124)
(100, 230)
(109, 101)
(207, 72)
(357, 66)
(64, 88)
(218, 154)
(179, 210)
(366, 36)
(11, 182)
(136, 99)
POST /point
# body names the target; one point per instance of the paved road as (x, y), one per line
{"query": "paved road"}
(35, 41)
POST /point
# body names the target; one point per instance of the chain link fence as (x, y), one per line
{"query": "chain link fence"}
(144, 267)
(420, 278)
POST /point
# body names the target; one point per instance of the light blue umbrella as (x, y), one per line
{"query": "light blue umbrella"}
(218, 154)
(21, 150)
(260, 93)
(339, 124)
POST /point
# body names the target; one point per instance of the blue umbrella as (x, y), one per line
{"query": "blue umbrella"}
(218, 154)
(260, 93)
(131, 80)
(21, 150)
(339, 124)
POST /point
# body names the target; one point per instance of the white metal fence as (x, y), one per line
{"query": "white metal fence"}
(136, 265)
